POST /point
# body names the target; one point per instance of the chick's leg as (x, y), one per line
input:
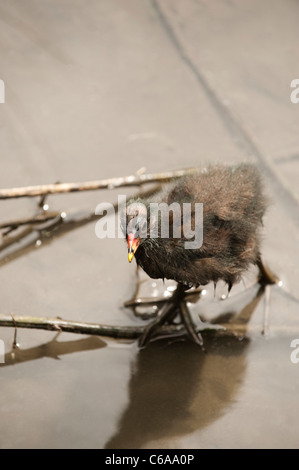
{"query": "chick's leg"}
(168, 313)
(266, 276)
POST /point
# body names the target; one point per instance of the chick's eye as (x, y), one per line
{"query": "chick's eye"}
(137, 227)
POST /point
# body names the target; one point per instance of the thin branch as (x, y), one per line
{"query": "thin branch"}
(137, 302)
(38, 219)
(112, 183)
(21, 243)
(126, 332)
(57, 324)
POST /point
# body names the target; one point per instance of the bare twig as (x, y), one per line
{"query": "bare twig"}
(266, 311)
(57, 324)
(125, 181)
(123, 332)
(14, 344)
(23, 242)
(38, 219)
(136, 302)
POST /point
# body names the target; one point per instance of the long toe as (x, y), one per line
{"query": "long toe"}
(189, 325)
(153, 327)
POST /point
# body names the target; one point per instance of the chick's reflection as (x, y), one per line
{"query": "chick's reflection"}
(177, 388)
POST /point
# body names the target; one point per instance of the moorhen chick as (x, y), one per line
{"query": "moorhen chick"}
(233, 205)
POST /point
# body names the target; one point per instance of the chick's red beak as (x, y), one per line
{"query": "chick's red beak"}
(133, 244)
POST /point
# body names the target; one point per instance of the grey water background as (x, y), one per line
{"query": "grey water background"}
(101, 89)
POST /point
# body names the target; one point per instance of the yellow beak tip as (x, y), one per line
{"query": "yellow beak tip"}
(130, 257)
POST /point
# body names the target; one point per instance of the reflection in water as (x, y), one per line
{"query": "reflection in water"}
(177, 388)
(53, 349)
